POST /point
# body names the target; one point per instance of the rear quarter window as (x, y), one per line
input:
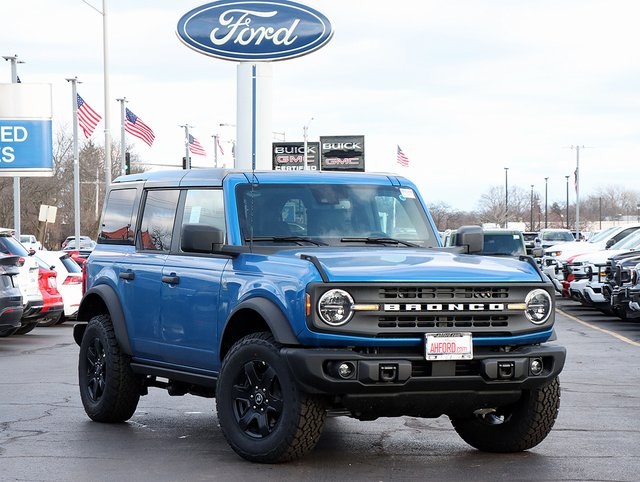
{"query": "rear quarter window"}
(118, 220)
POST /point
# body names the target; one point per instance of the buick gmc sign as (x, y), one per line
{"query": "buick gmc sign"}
(254, 30)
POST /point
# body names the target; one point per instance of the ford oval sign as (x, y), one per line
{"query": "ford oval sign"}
(254, 31)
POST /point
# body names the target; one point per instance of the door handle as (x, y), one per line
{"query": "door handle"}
(172, 280)
(128, 275)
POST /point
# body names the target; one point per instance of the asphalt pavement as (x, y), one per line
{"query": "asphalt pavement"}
(46, 436)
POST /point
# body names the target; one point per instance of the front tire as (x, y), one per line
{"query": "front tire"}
(262, 412)
(516, 427)
(109, 389)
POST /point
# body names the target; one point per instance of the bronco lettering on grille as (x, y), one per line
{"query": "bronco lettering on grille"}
(444, 307)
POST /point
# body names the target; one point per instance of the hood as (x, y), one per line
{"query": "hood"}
(600, 256)
(419, 265)
(572, 248)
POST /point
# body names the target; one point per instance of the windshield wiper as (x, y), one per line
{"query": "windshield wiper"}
(286, 239)
(379, 240)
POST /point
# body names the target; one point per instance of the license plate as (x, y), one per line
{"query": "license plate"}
(448, 346)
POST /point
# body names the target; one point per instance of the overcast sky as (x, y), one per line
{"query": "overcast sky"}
(465, 87)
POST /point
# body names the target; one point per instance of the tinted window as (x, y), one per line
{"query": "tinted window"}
(10, 245)
(158, 216)
(117, 224)
(71, 265)
(204, 206)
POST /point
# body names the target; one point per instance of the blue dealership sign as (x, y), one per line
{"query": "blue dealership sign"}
(254, 30)
(25, 147)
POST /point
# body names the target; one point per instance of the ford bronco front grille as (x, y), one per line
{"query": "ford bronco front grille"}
(443, 293)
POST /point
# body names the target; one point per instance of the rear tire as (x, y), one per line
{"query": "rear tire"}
(24, 329)
(109, 389)
(516, 427)
(262, 412)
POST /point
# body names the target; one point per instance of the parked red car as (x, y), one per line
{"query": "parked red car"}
(53, 304)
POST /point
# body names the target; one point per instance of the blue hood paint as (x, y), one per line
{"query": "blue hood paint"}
(417, 265)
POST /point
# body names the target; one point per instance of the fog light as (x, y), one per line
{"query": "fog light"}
(536, 366)
(346, 370)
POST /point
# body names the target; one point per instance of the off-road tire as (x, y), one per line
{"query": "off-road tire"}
(109, 389)
(262, 412)
(516, 427)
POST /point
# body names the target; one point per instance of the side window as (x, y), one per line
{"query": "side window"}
(118, 220)
(204, 206)
(157, 220)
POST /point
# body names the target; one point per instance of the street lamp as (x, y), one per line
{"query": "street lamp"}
(546, 179)
(567, 178)
(16, 180)
(506, 196)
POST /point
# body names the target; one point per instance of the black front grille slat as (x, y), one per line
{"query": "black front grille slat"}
(443, 293)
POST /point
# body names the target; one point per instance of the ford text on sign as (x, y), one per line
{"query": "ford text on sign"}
(25, 147)
(254, 30)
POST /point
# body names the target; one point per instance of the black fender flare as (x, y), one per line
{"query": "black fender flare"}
(273, 316)
(109, 298)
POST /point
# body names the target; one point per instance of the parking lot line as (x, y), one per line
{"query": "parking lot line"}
(612, 333)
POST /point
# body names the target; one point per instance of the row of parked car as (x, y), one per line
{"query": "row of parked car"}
(602, 272)
(37, 287)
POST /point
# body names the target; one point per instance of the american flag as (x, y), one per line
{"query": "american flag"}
(195, 147)
(134, 125)
(402, 159)
(87, 117)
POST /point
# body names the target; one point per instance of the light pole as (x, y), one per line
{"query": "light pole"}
(305, 129)
(16, 180)
(187, 162)
(567, 178)
(531, 210)
(506, 196)
(546, 179)
(107, 110)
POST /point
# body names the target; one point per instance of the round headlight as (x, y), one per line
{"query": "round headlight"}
(334, 307)
(538, 306)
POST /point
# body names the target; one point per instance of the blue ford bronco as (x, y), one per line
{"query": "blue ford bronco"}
(293, 296)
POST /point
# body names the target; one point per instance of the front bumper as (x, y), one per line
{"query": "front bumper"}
(316, 370)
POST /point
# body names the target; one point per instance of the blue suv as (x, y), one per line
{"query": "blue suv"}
(290, 296)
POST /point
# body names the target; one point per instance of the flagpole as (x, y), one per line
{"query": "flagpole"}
(122, 139)
(186, 146)
(76, 162)
(215, 150)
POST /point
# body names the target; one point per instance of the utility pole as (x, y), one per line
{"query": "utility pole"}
(122, 140)
(546, 179)
(16, 180)
(76, 161)
(567, 223)
(506, 196)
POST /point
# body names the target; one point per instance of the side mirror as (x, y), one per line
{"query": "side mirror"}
(471, 237)
(610, 243)
(537, 252)
(201, 238)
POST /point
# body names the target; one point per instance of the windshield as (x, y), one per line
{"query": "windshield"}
(628, 242)
(559, 236)
(600, 235)
(332, 214)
